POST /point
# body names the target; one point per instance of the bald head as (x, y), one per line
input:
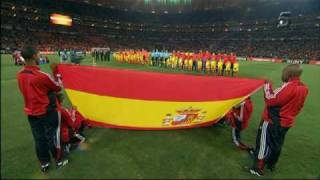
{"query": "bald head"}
(291, 71)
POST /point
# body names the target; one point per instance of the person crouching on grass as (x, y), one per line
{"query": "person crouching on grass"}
(40, 106)
(281, 108)
(239, 118)
(72, 126)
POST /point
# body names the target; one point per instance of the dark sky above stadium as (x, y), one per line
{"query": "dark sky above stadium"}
(170, 11)
(186, 6)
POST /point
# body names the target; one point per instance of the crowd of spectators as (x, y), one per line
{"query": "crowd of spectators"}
(260, 38)
(308, 49)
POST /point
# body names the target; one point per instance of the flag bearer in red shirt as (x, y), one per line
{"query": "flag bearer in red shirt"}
(38, 90)
(281, 107)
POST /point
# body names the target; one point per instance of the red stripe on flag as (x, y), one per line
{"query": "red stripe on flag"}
(106, 125)
(155, 86)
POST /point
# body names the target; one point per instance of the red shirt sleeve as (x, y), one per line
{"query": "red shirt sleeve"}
(50, 83)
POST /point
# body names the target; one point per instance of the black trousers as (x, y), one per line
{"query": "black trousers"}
(231, 69)
(46, 134)
(204, 65)
(153, 59)
(108, 56)
(223, 69)
(194, 65)
(269, 142)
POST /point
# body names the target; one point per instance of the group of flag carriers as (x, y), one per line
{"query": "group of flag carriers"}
(206, 62)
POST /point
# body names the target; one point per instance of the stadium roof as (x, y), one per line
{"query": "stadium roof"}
(186, 6)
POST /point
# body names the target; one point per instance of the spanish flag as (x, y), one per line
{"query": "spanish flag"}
(129, 99)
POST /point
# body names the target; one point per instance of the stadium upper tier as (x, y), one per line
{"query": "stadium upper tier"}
(24, 22)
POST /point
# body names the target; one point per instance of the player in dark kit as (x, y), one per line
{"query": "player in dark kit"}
(107, 55)
(38, 90)
(101, 54)
(281, 108)
(96, 55)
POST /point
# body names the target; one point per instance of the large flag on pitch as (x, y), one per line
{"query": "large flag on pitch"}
(132, 99)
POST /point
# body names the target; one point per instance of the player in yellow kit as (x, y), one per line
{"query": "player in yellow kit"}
(180, 62)
(213, 66)
(128, 57)
(228, 68)
(174, 61)
(199, 65)
(132, 57)
(184, 57)
(169, 62)
(115, 56)
(235, 69)
(125, 56)
(208, 66)
(220, 67)
(141, 57)
(190, 62)
(119, 56)
(137, 57)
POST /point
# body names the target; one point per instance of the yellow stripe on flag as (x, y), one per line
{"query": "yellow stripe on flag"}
(148, 114)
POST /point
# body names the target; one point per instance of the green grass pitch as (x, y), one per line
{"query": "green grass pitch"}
(194, 153)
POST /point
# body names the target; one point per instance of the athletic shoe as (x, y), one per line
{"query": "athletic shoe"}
(255, 171)
(67, 148)
(45, 167)
(62, 163)
(81, 138)
(250, 151)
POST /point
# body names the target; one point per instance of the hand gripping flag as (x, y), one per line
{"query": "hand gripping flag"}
(140, 100)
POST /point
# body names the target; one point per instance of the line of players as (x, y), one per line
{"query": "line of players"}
(132, 56)
(206, 62)
(219, 64)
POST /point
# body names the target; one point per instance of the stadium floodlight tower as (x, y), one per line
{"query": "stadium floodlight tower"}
(284, 19)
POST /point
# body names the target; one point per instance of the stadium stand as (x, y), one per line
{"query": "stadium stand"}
(120, 29)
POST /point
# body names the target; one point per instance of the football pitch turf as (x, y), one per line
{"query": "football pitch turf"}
(194, 153)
